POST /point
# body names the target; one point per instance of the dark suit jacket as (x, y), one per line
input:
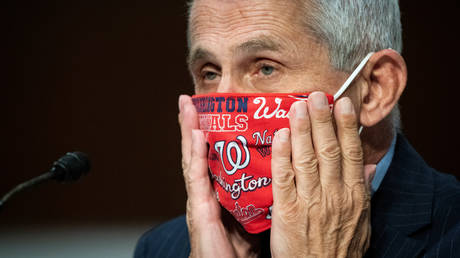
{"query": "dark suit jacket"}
(415, 213)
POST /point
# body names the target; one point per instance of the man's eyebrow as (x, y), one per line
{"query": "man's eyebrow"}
(258, 45)
(251, 46)
(198, 54)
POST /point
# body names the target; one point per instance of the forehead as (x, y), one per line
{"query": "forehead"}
(215, 21)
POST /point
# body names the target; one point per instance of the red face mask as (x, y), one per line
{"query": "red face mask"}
(240, 129)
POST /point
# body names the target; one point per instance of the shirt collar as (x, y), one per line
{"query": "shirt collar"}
(382, 166)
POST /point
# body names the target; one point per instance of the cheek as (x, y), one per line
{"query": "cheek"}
(275, 84)
(304, 81)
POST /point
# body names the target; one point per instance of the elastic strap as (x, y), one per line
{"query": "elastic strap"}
(351, 79)
(352, 76)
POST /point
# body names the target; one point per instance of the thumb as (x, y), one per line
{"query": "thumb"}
(197, 182)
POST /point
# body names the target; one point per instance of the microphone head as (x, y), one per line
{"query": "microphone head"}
(71, 167)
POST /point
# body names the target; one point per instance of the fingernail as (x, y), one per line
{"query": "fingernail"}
(283, 134)
(181, 102)
(300, 108)
(319, 100)
(346, 107)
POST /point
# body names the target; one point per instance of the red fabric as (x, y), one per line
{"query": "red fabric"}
(239, 129)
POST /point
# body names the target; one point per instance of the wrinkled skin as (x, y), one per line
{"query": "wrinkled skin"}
(321, 202)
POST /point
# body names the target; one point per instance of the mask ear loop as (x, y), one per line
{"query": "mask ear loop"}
(350, 79)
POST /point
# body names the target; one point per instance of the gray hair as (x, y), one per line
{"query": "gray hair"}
(353, 28)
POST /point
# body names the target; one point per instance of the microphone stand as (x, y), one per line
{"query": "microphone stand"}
(68, 168)
(27, 184)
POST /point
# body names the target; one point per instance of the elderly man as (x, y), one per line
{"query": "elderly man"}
(324, 172)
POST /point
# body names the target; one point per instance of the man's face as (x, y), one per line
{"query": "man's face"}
(256, 46)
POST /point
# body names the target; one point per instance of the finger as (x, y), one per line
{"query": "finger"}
(350, 142)
(188, 120)
(283, 185)
(324, 139)
(198, 184)
(304, 159)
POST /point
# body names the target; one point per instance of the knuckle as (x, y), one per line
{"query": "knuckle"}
(188, 184)
(330, 152)
(280, 162)
(301, 126)
(188, 177)
(353, 153)
(349, 122)
(191, 172)
(184, 164)
(284, 178)
(306, 163)
(322, 116)
(358, 199)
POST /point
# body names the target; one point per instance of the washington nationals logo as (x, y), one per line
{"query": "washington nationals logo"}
(236, 162)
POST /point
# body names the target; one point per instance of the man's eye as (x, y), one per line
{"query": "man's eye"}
(267, 70)
(210, 76)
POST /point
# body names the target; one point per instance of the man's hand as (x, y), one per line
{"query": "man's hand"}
(321, 189)
(208, 235)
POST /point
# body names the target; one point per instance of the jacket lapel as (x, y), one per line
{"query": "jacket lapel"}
(401, 207)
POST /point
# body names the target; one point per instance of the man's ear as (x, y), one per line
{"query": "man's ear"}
(385, 78)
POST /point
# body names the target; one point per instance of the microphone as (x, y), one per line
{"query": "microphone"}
(68, 168)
